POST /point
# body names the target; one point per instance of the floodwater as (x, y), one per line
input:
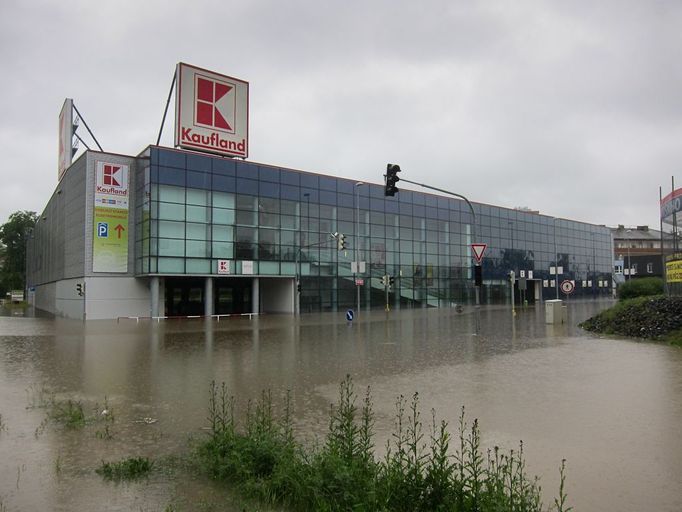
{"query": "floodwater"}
(612, 408)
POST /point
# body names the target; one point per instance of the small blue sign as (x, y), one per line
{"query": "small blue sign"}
(349, 315)
(103, 230)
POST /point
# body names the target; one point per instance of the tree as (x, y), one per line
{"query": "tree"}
(13, 236)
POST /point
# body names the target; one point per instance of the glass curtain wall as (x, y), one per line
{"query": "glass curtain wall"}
(194, 210)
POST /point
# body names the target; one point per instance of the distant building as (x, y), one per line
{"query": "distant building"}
(637, 252)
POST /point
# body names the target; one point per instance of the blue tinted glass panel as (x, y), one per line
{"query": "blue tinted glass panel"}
(378, 204)
(375, 190)
(224, 166)
(198, 180)
(310, 181)
(289, 192)
(198, 162)
(154, 174)
(392, 206)
(268, 174)
(345, 186)
(328, 197)
(418, 211)
(172, 159)
(431, 200)
(290, 177)
(346, 200)
(312, 195)
(443, 202)
(431, 212)
(245, 186)
(170, 176)
(247, 170)
(406, 196)
(327, 183)
(267, 189)
(224, 183)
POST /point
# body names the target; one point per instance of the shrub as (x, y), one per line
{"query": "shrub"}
(127, 469)
(642, 287)
(418, 472)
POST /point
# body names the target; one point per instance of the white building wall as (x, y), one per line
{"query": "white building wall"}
(67, 302)
(276, 295)
(111, 297)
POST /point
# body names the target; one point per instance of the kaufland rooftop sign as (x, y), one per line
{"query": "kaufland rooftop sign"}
(211, 112)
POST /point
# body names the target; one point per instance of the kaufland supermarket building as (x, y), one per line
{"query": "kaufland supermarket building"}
(196, 230)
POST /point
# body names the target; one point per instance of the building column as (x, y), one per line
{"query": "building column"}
(208, 296)
(154, 290)
(255, 296)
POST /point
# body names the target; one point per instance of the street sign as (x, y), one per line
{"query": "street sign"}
(567, 287)
(349, 315)
(359, 282)
(478, 250)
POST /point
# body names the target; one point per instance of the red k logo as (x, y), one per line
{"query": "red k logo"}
(111, 175)
(214, 104)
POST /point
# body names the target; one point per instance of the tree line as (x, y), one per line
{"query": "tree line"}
(13, 236)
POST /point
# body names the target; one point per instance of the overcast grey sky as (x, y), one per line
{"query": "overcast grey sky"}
(572, 108)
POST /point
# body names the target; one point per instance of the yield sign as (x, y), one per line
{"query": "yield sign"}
(478, 250)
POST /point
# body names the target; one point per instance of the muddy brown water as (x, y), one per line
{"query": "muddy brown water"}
(611, 407)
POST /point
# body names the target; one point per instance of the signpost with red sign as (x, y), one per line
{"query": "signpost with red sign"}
(479, 251)
(567, 287)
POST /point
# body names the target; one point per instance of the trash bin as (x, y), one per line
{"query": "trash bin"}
(554, 311)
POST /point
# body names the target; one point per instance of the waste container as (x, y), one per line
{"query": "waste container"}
(554, 311)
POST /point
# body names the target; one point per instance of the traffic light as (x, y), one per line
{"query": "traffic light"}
(341, 240)
(392, 171)
(384, 280)
(79, 289)
(391, 280)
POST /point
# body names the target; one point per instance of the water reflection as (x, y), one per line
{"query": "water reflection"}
(611, 407)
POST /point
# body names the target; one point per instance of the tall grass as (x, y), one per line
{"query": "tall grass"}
(420, 470)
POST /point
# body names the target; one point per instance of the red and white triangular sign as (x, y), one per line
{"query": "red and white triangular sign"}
(478, 250)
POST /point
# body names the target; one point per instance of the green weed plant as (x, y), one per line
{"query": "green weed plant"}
(132, 468)
(420, 471)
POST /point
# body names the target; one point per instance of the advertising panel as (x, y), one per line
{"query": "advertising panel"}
(65, 137)
(671, 204)
(673, 271)
(211, 112)
(110, 239)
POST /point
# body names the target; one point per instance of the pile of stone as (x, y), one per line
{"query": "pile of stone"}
(650, 318)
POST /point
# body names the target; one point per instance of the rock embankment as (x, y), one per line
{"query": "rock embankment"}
(645, 317)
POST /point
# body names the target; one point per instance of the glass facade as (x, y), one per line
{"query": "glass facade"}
(193, 210)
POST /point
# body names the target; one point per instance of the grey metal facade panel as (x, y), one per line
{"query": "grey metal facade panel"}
(56, 250)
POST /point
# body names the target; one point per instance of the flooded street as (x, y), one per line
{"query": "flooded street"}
(612, 408)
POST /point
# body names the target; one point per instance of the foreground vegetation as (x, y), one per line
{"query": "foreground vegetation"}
(419, 471)
(655, 318)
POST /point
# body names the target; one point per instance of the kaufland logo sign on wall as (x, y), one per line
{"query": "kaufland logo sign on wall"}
(211, 112)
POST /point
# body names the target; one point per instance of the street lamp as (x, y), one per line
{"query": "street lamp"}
(357, 240)
(629, 232)
(556, 262)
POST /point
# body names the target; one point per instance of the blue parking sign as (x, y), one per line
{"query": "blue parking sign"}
(103, 230)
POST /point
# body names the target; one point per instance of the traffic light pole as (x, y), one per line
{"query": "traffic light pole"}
(473, 214)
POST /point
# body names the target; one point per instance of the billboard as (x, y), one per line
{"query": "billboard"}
(673, 271)
(65, 137)
(671, 204)
(110, 220)
(211, 112)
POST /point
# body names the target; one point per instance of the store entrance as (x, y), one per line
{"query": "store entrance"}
(184, 296)
(232, 295)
